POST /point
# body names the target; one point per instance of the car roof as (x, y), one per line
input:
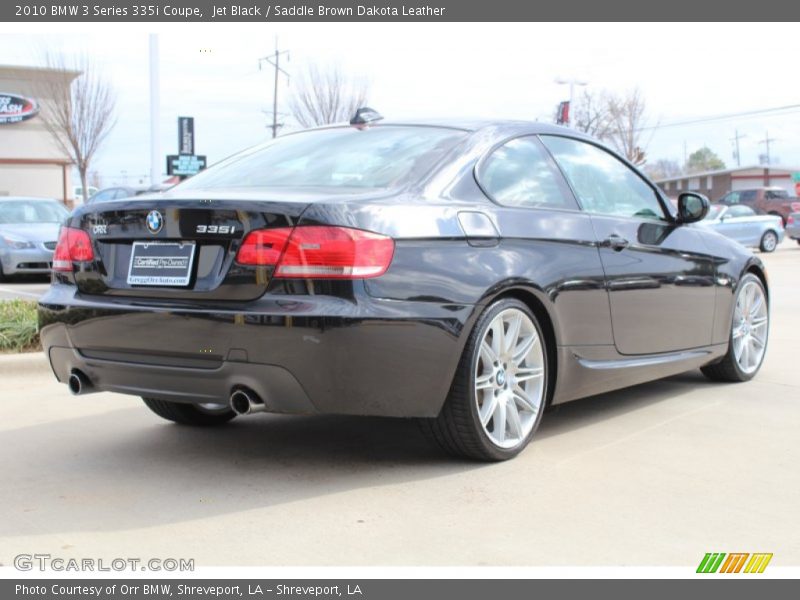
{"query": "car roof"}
(510, 126)
(32, 198)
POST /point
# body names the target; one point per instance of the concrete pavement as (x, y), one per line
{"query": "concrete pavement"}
(657, 474)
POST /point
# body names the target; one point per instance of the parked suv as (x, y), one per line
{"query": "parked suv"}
(765, 200)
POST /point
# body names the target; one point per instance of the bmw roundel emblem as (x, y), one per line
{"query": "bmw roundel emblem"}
(154, 221)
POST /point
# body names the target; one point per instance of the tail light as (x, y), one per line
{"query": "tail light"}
(790, 220)
(320, 252)
(74, 245)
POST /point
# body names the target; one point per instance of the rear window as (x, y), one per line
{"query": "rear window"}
(378, 157)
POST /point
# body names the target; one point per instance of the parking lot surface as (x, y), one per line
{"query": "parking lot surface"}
(657, 474)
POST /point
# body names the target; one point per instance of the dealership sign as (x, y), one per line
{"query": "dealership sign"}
(14, 108)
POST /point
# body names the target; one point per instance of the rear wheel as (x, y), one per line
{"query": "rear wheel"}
(190, 414)
(498, 393)
(749, 333)
(769, 241)
(2, 275)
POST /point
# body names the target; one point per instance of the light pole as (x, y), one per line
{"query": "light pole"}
(155, 132)
(572, 82)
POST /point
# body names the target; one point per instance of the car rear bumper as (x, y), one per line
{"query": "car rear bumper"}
(302, 354)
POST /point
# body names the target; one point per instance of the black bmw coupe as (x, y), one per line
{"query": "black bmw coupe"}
(466, 274)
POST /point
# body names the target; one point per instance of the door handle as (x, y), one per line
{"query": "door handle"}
(615, 242)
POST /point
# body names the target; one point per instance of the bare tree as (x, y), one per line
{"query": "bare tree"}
(591, 115)
(663, 168)
(323, 96)
(627, 123)
(80, 114)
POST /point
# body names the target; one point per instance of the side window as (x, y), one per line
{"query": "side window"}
(121, 194)
(104, 195)
(731, 198)
(740, 211)
(748, 196)
(522, 173)
(603, 183)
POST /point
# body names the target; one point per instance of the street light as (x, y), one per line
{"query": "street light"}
(572, 82)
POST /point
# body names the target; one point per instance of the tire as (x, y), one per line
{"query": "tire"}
(516, 385)
(729, 368)
(2, 275)
(769, 241)
(188, 414)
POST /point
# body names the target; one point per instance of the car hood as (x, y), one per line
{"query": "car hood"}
(32, 232)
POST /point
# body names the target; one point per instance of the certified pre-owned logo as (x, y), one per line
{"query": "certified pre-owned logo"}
(735, 562)
(154, 221)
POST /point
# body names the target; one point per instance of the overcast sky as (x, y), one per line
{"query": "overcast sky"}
(210, 71)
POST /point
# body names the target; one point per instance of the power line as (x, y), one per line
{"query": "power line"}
(789, 107)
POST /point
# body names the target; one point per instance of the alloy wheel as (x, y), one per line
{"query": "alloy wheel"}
(770, 241)
(750, 327)
(509, 378)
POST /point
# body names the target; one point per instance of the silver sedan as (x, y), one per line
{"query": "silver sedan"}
(28, 234)
(742, 224)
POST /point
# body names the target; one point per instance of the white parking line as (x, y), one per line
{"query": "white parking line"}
(17, 292)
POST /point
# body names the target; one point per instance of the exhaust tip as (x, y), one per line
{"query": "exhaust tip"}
(245, 402)
(78, 383)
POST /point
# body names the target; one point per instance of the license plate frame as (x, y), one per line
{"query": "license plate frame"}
(144, 266)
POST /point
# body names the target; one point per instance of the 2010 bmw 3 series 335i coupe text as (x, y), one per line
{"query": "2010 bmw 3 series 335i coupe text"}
(466, 274)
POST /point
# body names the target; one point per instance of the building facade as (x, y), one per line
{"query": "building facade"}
(716, 184)
(31, 162)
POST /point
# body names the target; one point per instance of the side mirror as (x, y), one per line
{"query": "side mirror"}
(692, 207)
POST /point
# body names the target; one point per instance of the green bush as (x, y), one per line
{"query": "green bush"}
(18, 326)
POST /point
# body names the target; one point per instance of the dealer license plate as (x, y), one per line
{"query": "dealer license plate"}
(161, 263)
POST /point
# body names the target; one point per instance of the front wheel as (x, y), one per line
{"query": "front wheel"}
(769, 241)
(749, 332)
(190, 414)
(498, 394)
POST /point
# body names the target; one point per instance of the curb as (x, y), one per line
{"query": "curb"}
(27, 363)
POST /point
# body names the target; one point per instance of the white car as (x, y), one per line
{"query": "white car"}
(741, 223)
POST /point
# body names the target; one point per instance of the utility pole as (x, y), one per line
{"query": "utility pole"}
(735, 139)
(155, 131)
(275, 61)
(572, 82)
(766, 142)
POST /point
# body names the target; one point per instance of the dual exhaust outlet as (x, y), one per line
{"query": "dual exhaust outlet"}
(243, 401)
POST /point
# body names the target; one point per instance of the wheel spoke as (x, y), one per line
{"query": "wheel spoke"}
(514, 422)
(758, 322)
(487, 354)
(527, 373)
(499, 422)
(488, 409)
(512, 335)
(738, 332)
(522, 350)
(484, 382)
(756, 306)
(522, 398)
(498, 336)
(738, 348)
